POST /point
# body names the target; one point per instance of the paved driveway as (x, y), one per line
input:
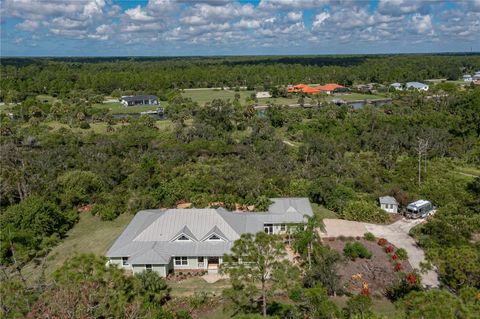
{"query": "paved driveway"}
(396, 233)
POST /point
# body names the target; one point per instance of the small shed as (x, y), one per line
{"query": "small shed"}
(388, 204)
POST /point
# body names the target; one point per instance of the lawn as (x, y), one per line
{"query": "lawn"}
(47, 99)
(89, 235)
(356, 96)
(323, 212)
(194, 285)
(207, 95)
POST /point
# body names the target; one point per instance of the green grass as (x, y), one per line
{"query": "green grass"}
(193, 285)
(323, 212)
(89, 235)
(207, 95)
(469, 170)
(47, 99)
(356, 96)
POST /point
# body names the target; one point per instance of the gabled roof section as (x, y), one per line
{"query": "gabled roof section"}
(214, 231)
(185, 231)
(193, 222)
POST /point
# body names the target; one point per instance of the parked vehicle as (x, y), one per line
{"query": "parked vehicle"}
(419, 209)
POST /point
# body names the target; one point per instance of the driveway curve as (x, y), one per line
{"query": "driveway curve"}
(396, 233)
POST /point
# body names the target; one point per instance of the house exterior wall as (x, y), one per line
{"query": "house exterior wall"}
(116, 261)
(161, 270)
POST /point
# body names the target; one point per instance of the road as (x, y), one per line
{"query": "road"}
(396, 233)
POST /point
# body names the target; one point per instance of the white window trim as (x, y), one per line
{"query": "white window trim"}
(220, 238)
(183, 240)
(181, 260)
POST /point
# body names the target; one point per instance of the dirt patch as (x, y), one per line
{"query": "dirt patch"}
(378, 271)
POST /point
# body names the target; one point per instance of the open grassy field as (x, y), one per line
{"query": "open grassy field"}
(194, 285)
(89, 235)
(356, 96)
(202, 96)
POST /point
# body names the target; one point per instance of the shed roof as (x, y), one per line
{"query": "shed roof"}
(387, 200)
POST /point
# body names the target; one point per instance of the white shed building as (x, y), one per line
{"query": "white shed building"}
(388, 204)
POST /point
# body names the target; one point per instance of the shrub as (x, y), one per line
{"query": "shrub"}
(402, 254)
(389, 249)
(342, 238)
(405, 284)
(84, 125)
(356, 250)
(369, 236)
(394, 257)
(364, 211)
(398, 267)
(382, 242)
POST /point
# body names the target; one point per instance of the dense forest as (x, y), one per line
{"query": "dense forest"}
(55, 161)
(26, 77)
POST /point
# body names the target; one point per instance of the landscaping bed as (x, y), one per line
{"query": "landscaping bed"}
(379, 271)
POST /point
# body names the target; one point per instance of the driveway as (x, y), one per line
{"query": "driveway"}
(396, 233)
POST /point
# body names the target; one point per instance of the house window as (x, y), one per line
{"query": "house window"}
(183, 238)
(181, 261)
(268, 228)
(282, 227)
(201, 261)
(124, 261)
(148, 268)
(214, 237)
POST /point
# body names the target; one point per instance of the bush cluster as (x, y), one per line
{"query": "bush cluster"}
(356, 250)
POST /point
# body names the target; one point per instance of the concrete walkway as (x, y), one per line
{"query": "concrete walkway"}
(396, 233)
(211, 278)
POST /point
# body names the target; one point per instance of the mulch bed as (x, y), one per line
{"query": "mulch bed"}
(378, 271)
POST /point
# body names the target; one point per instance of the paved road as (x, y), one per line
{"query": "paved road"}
(396, 233)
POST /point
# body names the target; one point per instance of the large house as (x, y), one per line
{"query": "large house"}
(332, 88)
(165, 240)
(417, 86)
(139, 100)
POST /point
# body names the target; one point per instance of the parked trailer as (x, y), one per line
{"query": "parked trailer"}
(419, 209)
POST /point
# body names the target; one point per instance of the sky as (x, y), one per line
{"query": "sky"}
(219, 27)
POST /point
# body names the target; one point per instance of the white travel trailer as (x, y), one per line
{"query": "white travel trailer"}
(419, 209)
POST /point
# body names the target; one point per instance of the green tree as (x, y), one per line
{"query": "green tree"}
(364, 211)
(255, 262)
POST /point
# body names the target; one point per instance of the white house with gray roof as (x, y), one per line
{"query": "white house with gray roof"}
(417, 86)
(388, 204)
(165, 240)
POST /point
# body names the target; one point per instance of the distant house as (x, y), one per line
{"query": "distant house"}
(397, 86)
(417, 86)
(388, 204)
(139, 100)
(165, 240)
(467, 78)
(296, 88)
(332, 88)
(476, 77)
(263, 95)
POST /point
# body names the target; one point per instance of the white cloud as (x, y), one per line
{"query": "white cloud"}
(422, 24)
(320, 19)
(28, 25)
(295, 16)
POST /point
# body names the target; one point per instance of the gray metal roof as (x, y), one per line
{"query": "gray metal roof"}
(150, 236)
(388, 200)
(139, 98)
(416, 85)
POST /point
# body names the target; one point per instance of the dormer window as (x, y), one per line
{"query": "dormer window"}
(183, 238)
(214, 238)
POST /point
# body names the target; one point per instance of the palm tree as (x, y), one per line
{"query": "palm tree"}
(305, 237)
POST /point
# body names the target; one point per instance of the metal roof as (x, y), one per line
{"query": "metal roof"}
(416, 85)
(139, 98)
(418, 203)
(387, 200)
(148, 237)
